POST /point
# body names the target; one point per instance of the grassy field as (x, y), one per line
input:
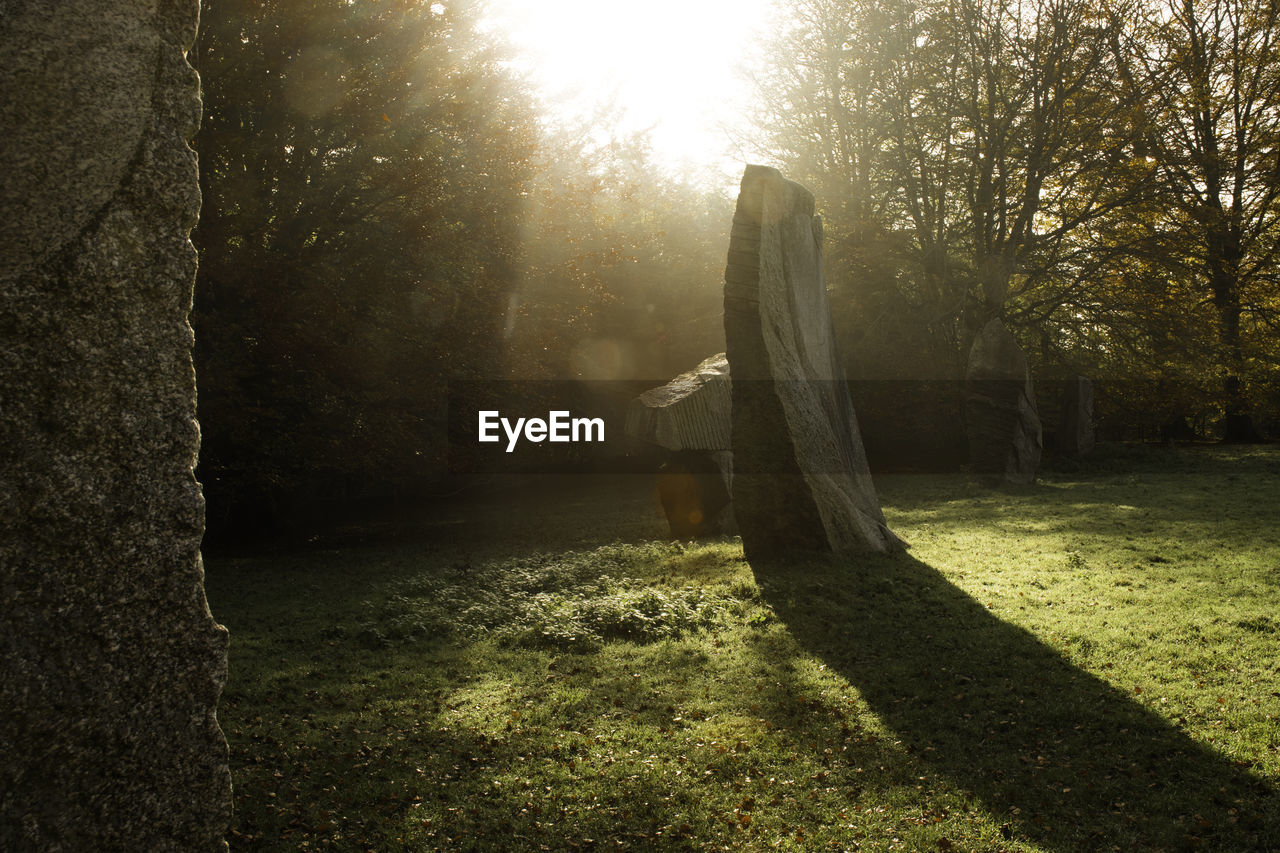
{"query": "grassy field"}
(1089, 664)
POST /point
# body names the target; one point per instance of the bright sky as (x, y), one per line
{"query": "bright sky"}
(673, 64)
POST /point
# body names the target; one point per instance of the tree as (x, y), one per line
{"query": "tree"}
(973, 139)
(827, 114)
(1213, 131)
(363, 168)
(621, 266)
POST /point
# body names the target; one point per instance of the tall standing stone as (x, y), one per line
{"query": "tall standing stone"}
(800, 478)
(110, 662)
(1003, 425)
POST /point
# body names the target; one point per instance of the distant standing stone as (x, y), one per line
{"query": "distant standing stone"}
(800, 478)
(1075, 429)
(1003, 426)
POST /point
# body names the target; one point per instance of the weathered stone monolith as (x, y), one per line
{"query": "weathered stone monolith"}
(689, 418)
(110, 662)
(1002, 424)
(1075, 438)
(800, 476)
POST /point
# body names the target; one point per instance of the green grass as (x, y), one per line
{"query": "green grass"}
(1092, 663)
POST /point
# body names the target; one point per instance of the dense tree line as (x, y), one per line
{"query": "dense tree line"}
(622, 267)
(1100, 174)
(385, 211)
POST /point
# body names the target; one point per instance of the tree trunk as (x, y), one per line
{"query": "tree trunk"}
(1224, 258)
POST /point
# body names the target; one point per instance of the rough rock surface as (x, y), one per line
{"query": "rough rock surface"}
(691, 412)
(1075, 427)
(800, 477)
(1003, 426)
(110, 662)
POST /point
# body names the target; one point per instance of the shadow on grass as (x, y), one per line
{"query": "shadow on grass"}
(1073, 762)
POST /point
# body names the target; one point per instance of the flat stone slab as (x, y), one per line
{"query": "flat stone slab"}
(800, 478)
(691, 412)
(690, 418)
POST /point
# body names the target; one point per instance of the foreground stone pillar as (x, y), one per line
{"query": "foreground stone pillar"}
(1003, 425)
(110, 663)
(800, 476)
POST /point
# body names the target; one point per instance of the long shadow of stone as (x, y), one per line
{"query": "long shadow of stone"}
(1071, 762)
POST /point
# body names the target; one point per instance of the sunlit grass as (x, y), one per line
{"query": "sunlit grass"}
(1089, 664)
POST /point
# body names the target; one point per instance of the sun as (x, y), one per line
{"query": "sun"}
(672, 67)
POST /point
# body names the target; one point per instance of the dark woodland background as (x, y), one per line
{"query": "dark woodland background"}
(389, 209)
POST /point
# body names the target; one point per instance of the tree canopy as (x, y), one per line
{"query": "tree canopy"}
(389, 207)
(386, 210)
(1101, 175)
